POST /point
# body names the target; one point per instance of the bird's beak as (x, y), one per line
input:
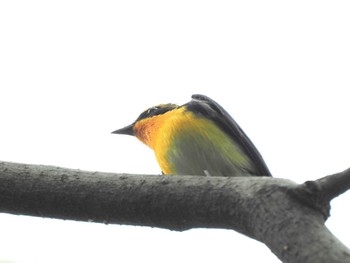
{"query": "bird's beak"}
(126, 130)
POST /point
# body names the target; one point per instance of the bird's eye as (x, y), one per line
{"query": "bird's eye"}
(148, 113)
(152, 109)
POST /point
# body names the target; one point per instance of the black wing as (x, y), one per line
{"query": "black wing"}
(209, 108)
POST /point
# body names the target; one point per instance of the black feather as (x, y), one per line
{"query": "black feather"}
(157, 110)
(208, 108)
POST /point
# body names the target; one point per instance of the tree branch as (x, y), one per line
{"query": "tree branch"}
(319, 193)
(261, 208)
(334, 185)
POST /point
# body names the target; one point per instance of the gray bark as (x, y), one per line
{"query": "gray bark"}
(287, 217)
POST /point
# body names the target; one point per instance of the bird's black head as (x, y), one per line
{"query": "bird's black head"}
(149, 113)
(156, 110)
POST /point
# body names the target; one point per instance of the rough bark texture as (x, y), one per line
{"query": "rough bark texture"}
(287, 217)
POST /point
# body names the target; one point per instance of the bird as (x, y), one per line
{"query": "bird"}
(197, 138)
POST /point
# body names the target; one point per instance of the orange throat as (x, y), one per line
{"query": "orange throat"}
(147, 130)
(158, 133)
(160, 128)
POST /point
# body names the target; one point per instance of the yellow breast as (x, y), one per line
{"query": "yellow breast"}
(158, 133)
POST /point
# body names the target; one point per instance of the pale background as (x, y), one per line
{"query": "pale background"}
(73, 71)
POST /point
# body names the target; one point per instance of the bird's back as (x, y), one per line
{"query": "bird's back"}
(208, 108)
(190, 144)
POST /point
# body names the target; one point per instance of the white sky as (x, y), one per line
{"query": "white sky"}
(73, 71)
